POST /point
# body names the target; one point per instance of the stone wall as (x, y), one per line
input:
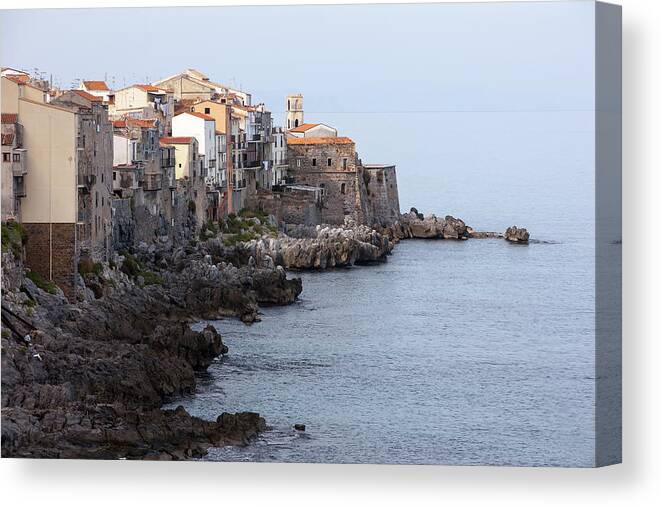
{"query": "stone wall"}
(379, 195)
(290, 207)
(51, 251)
(331, 166)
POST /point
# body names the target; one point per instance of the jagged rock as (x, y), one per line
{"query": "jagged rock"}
(517, 235)
(321, 247)
(89, 381)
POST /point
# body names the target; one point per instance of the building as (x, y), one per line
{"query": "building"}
(97, 88)
(194, 85)
(14, 167)
(145, 101)
(189, 174)
(278, 156)
(203, 128)
(294, 116)
(313, 130)
(66, 211)
(328, 163)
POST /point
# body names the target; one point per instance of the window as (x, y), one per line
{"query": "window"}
(344, 164)
(179, 166)
(207, 110)
(288, 124)
(6, 157)
(329, 162)
(114, 176)
(96, 199)
(17, 157)
(298, 162)
(288, 105)
(343, 188)
(314, 161)
(296, 122)
(102, 177)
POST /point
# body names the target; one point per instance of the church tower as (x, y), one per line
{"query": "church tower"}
(294, 108)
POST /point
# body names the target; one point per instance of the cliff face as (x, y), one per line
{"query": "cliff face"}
(86, 380)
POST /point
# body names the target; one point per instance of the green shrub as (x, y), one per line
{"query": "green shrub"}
(47, 285)
(13, 238)
(131, 266)
(87, 265)
(151, 278)
(247, 213)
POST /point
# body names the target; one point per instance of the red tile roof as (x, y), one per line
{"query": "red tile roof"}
(134, 122)
(88, 96)
(199, 115)
(18, 78)
(319, 140)
(9, 118)
(7, 139)
(97, 86)
(176, 140)
(150, 88)
(305, 127)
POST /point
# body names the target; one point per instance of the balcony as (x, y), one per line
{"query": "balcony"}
(85, 182)
(19, 187)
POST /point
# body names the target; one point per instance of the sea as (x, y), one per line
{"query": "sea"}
(475, 352)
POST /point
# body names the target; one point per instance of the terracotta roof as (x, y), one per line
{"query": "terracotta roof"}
(220, 132)
(134, 122)
(176, 140)
(199, 115)
(88, 96)
(9, 118)
(150, 88)
(305, 127)
(319, 140)
(7, 139)
(97, 86)
(18, 78)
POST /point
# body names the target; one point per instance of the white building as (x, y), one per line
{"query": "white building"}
(203, 128)
(313, 130)
(279, 155)
(96, 88)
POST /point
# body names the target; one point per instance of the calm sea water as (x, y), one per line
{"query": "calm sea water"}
(474, 352)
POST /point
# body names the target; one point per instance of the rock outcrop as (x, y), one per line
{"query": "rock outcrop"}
(517, 235)
(321, 247)
(416, 225)
(86, 380)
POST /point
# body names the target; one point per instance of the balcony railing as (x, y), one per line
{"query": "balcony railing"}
(20, 168)
(19, 187)
(85, 182)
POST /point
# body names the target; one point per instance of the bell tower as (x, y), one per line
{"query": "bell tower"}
(294, 109)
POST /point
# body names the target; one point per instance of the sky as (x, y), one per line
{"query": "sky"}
(352, 58)
(459, 96)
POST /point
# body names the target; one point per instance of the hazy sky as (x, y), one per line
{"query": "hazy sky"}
(510, 56)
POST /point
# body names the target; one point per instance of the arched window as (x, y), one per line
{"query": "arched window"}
(343, 188)
(288, 124)
(296, 123)
(288, 106)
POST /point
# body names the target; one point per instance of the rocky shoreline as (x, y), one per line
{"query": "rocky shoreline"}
(87, 379)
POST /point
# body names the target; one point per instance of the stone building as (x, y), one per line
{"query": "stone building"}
(329, 163)
(14, 167)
